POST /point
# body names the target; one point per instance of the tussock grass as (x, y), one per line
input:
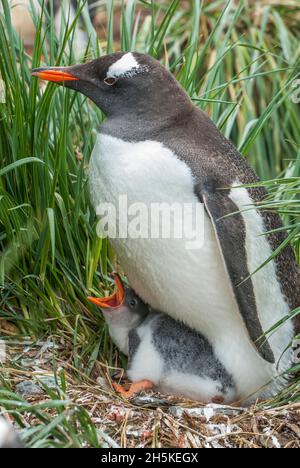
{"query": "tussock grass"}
(236, 62)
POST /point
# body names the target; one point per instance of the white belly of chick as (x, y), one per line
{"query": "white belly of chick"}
(148, 363)
(189, 285)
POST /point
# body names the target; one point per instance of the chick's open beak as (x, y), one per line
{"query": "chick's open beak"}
(54, 74)
(115, 300)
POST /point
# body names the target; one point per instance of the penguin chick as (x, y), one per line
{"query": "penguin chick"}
(123, 311)
(162, 352)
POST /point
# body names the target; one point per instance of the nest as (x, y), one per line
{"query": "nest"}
(152, 419)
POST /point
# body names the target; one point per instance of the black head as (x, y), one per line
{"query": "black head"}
(134, 304)
(121, 84)
(123, 300)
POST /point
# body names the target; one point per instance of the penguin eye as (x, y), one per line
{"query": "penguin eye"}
(110, 81)
(133, 303)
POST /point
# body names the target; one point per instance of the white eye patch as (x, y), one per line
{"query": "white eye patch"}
(126, 66)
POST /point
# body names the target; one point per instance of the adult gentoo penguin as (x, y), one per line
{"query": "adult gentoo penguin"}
(162, 352)
(157, 146)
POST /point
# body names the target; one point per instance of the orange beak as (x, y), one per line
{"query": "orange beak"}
(115, 300)
(56, 75)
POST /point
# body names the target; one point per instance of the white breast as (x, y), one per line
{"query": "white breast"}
(189, 285)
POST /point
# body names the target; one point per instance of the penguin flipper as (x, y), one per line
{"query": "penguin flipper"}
(231, 234)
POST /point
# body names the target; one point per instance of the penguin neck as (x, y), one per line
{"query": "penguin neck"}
(136, 124)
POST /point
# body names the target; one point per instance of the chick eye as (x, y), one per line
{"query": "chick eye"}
(110, 81)
(133, 303)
